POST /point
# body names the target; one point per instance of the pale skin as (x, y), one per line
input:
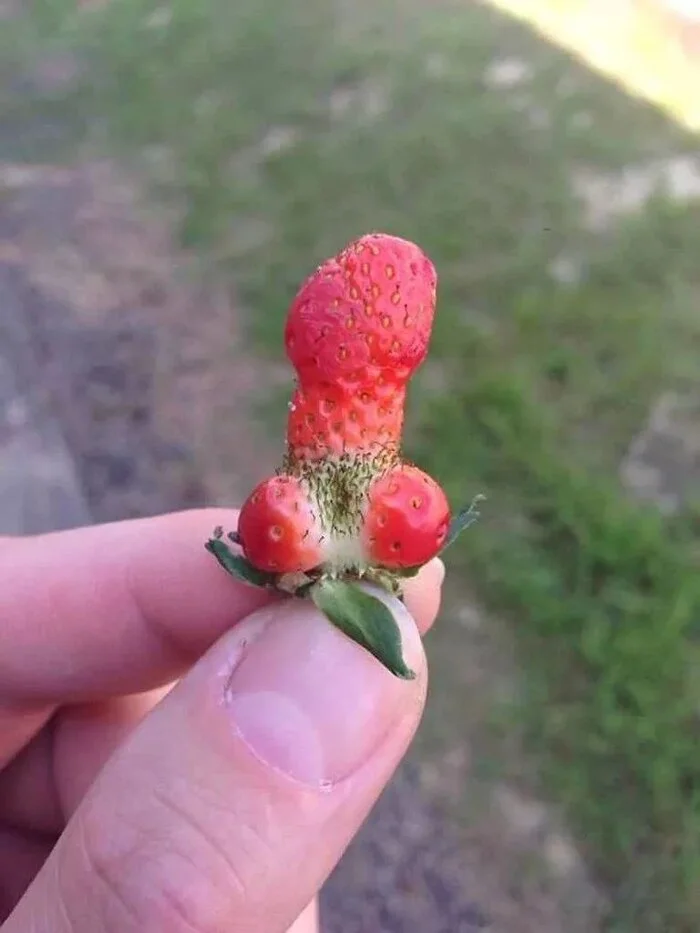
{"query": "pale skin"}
(179, 751)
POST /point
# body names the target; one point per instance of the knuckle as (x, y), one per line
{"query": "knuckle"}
(103, 874)
(162, 876)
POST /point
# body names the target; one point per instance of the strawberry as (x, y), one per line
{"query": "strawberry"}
(345, 506)
(364, 314)
(278, 527)
(406, 519)
(327, 419)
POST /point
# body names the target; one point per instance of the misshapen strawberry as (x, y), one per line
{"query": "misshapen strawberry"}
(365, 313)
(345, 507)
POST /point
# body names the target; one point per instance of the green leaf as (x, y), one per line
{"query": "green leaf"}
(364, 618)
(237, 566)
(462, 520)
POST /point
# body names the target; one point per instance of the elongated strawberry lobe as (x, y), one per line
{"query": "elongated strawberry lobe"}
(327, 419)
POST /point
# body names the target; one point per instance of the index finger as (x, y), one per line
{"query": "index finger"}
(115, 608)
(125, 607)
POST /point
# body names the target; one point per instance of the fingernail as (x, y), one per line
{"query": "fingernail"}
(311, 703)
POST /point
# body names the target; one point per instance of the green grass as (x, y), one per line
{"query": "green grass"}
(384, 120)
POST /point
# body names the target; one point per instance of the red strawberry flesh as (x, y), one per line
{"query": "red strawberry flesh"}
(406, 519)
(329, 420)
(365, 313)
(279, 528)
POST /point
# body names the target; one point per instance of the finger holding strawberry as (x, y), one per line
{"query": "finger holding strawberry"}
(345, 508)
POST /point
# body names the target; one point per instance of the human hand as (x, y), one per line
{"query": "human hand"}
(132, 800)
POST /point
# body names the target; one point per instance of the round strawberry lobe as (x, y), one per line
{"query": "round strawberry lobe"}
(407, 518)
(278, 527)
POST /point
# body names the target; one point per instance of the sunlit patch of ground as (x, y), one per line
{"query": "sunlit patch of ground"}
(652, 47)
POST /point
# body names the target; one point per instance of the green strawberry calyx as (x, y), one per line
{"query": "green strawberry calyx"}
(363, 617)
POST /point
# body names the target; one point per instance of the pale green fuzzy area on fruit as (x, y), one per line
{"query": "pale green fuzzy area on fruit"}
(342, 552)
(284, 130)
(339, 488)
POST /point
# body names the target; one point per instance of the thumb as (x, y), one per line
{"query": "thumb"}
(230, 804)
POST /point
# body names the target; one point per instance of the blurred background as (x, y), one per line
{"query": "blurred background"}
(169, 173)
